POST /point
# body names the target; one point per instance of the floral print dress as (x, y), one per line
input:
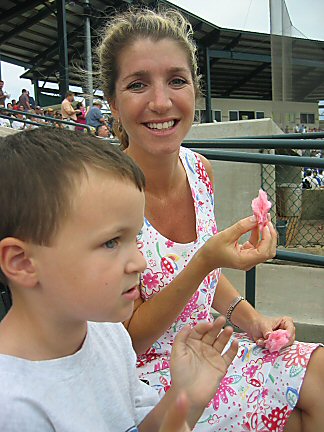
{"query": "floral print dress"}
(260, 389)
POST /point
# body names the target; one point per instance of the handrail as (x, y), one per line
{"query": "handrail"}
(51, 119)
(299, 257)
(255, 143)
(250, 276)
(297, 135)
(261, 158)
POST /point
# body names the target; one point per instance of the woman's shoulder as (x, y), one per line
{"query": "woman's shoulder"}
(196, 161)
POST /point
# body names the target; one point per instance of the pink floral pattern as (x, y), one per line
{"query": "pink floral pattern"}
(251, 368)
(224, 391)
(297, 355)
(260, 388)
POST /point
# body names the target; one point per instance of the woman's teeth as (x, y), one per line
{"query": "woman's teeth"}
(164, 125)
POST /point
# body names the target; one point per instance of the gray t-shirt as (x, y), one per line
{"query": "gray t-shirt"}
(93, 390)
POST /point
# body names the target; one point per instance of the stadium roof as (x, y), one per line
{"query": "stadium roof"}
(240, 61)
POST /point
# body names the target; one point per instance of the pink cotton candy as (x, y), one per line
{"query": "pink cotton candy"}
(261, 207)
(277, 340)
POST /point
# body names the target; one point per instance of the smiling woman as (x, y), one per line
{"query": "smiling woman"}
(150, 78)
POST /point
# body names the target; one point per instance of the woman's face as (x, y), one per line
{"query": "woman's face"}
(154, 97)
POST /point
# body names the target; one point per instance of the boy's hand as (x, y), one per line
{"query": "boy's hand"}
(175, 418)
(197, 366)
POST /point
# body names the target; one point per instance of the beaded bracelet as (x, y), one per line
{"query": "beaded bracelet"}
(231, 308)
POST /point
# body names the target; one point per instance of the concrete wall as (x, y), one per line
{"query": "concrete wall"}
(236, 183)
(283, 113)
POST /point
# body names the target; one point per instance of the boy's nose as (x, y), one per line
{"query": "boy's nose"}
(137, 264)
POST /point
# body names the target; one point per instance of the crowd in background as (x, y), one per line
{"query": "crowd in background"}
(76, 114)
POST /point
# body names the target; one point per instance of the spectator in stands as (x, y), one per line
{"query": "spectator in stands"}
(67, 110)
(15, 105)
(3, 121)
(3, 94)
(9, 106)
(309, 181)
(316, 177)
(81, 116)
(102, 131)
(58, 116)
(33, 119)
(24, 100)
(95, 117)
(50, 113)
(39, 112)
(321, 176)
(16, 124)
(32, 101)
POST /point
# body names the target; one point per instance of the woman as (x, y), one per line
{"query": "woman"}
(149, 76)
(81, 116)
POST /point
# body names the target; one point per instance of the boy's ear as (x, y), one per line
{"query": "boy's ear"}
(15, 263)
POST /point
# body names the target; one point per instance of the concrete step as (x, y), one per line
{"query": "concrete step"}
(290, 290)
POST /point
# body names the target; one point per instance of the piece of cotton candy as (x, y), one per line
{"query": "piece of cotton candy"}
(261, 207)
(277, 340)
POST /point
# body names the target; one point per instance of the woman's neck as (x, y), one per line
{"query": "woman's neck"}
(161, 172)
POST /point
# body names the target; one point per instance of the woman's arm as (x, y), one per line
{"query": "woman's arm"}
(243, 314)
(153, 317)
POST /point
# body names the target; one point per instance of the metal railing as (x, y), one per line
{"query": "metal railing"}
(50, 120)
(209, 149)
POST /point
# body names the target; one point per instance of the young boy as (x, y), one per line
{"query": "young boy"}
(71, 207)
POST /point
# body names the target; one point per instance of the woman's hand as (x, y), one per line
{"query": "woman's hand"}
(263, 326)
(223, 249)
(197, 364)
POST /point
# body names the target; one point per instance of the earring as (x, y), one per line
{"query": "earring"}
(119, 125)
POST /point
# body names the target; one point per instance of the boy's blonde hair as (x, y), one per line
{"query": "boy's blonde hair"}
(126, 28)
(39, 173)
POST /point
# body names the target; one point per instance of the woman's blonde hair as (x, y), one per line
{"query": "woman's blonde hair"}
(126, 28)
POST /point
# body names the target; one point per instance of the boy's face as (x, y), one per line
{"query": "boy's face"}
(92, 269)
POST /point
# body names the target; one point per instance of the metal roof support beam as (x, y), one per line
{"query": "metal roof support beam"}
(245, 79)
(14, 61)
(63, 50)
(305, 91)
(88, 54)
(234, 55)
(36, 91)
(208, 89)
(52, 51)
(19, 10)
(43, 13)
(210, 38)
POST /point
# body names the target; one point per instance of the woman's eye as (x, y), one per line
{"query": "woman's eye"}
(178, 82)
(136, 86)
(111, 244)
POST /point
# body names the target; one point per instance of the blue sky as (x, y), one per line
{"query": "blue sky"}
(252, 15)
